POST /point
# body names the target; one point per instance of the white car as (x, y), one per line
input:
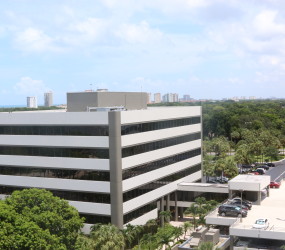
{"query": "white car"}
(261, 224)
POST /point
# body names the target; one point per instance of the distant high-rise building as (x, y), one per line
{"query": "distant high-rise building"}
(186, 98)
(157, 98)
(48, 99)
(32, 102)
(170, 97)
(148, 98)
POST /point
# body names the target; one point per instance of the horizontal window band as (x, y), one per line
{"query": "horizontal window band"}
(55, 130)
(151, 126)
(67, 195)
(134, 193)
(139, 212)
(55, 173)
(146, 147)
(151, 166)
(99, 153)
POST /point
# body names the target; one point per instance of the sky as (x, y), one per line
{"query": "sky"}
(209, 49)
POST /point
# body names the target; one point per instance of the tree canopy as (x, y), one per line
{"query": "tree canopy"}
(35, 219)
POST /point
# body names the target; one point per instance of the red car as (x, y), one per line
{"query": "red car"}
(275, 184)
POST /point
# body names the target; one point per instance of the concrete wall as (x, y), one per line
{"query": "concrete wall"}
(79, 101)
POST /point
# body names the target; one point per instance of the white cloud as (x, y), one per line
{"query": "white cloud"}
(140, 33)
(35, 40)
(265, 24)
(29, 86)
(91, 29)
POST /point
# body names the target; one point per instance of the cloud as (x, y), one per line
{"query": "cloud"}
(265, 24)
(35, 40)
(138, 33)
(29, 86)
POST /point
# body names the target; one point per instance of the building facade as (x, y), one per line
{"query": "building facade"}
(48, 99)
(32, 102)
(113, 166)
(157, 98)
(170, 97)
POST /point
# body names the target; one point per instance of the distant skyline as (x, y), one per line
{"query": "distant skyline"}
(209, 49)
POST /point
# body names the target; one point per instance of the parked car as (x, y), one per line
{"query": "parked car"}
(261, 171)
(243, 200)
(222, 179)
(270, 164)
(264, 167)
(245, 205)
(231, 210)
(239, 205)
(275, 184)
(261, 224)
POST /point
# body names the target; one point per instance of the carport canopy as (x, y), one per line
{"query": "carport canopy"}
(249, 182)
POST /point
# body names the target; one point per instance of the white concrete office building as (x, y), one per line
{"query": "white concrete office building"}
(113, 166)
(48, 99)
(32, 102)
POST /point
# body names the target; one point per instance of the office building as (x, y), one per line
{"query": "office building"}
(170, 97)
(149, 98)
(114, 164)
(32, 102)
(157, 98)
(48, 99)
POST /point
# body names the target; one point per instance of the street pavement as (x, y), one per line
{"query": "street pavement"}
(277, 173)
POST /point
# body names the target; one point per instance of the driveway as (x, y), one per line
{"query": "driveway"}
(277, 173)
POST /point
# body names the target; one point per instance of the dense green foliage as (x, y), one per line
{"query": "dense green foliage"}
(224, 118)
(28, 109)
(35, 219)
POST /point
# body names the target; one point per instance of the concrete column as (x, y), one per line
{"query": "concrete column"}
(161, 209)
(176, 208)
(168, 205)
(181, 212)
(230, 194)
(258, 197)
(232, 242)
(115, 159)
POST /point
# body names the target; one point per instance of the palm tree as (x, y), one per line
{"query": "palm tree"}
(165, 235)
(193, 210)
(186, 226)
(165, 215)
(107, 237)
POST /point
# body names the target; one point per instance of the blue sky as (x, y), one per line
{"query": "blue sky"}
(205, 48)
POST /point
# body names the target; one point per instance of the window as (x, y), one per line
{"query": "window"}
(142, 148)
(150, 126)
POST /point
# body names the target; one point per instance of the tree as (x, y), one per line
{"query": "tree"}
(231, 169)
(186, 226)
(52, 215)
(165, 235)
(244, 155)
(107, 237)
(165, 215)
(206, 246)
(84, 243)
(194, 211)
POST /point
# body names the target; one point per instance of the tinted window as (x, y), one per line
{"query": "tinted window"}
(142, 148)
(55, 130)
(149, 126)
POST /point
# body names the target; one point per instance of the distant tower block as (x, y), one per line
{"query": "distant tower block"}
(48, 99)
(32, 102)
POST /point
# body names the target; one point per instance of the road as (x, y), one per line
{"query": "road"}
(278, 172)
